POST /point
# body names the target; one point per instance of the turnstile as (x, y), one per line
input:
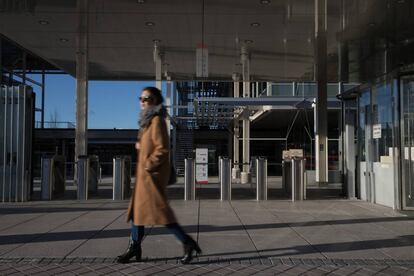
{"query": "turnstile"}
(53, 177)
(87, 176)
(121, 184)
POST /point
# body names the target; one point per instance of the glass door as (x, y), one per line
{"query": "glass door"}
(407, 140)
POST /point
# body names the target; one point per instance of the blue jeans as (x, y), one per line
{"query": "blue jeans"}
(137, 232)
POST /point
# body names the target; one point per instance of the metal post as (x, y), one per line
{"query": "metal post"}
(83, 177)
(261, 178)
(43, 100)
(189, 179)
(321, 142)
(158, 65)
(81, 135)
(225, 178)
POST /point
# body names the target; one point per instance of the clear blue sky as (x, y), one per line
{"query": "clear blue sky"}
(112, 104)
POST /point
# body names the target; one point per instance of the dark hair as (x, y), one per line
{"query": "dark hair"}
(155, 93)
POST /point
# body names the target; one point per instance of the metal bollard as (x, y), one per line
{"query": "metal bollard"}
(121, 184)
(189, 179)
(261, 178)
(225, 178)
(298, 179)
(83, 177)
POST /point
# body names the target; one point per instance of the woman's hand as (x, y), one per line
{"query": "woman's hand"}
(137, 145)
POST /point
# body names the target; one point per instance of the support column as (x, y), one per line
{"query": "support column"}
(236, 130)
(158, 65)
(321, 137)
(81, 137)
(245, 175)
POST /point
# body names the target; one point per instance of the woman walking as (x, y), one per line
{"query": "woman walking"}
(148, 204)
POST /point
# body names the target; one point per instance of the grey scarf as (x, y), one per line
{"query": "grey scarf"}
(149, 112)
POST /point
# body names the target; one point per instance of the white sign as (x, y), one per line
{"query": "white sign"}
(376, 131)
(201, 166)
(202, 61)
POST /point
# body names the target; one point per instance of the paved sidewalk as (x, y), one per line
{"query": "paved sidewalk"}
(337, 237)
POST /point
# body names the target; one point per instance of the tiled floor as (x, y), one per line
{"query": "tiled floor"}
(337, 237)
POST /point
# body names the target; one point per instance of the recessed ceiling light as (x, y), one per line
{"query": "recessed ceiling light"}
(63, 39)
(149, 24)
(255, 24)
(43, 22)
(265, 2)
(140, 1)
(248, 41)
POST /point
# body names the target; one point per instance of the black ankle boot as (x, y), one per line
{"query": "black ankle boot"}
(189, 247)
(134, 249)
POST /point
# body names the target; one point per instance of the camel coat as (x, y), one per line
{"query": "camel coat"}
(148, 204)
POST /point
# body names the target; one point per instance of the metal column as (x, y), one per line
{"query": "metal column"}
(189, 179)
(81, 137)
(225, 178)
(261, 178)
(245, 175)
(236, 130)
(321, 138)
